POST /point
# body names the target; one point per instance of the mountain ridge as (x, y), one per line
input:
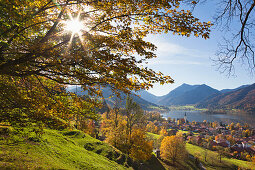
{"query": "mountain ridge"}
(242, 98)
(110, 98)
(203, 96)
(187, 94)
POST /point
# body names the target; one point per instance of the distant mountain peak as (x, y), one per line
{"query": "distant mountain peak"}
(185, 84)
(187, 94)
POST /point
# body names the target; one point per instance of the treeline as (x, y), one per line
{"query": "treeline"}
(34, 103)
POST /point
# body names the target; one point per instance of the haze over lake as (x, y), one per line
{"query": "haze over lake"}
(199, 116)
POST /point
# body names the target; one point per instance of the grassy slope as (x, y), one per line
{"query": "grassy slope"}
(56, 150)
(66, 150)
(153, 136)
(212, 159)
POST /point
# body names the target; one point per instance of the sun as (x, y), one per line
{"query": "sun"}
(74, 25)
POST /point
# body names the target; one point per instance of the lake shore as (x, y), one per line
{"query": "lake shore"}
(200, 116)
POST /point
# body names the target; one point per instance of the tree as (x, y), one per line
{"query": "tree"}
(220, 151)
(233, 132)
(113, 125)
(179, 122)
(30, 101)
(134, 117)
(248, 157)
(151, 127)
(231, 139)
(91, 129)
(194, 122)
(215, 124)
(108, 50)
(253, 162)
(232, 126)
(205, 151)
(163, 132)
(238, 125)
(141, 148)
(34, 40)
(238, 43)
(172, 149)
(246, 133)
(126, 131)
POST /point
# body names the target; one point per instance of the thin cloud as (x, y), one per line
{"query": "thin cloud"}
(166, 49)
(174, 62)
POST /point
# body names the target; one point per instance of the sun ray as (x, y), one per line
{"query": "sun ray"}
(74, 24)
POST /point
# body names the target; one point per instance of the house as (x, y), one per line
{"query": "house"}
(223, 143)
(195, 139)
(245, 144)
(237, 148)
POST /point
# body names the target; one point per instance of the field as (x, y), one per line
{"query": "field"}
(213, 161)
(186, 107)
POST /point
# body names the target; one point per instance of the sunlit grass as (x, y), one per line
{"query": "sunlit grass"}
(212, 159)
(56, 150)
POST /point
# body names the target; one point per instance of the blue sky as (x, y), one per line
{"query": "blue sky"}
(188, 60)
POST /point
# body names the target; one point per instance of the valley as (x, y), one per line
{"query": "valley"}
(76, 77)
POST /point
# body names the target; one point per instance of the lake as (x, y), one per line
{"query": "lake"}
(199, 116)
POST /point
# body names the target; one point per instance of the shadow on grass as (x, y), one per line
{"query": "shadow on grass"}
(152, 164)
(219, 165)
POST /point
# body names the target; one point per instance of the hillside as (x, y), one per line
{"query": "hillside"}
(107, 94)
(187, 94)
(148, 96)
(59, 150)
(72, 149)
(202, 95)
(243, 99)
(212, 162)
(231, 90)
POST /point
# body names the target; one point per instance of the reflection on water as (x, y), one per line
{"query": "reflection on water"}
(198, 116)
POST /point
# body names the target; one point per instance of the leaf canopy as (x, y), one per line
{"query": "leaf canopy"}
(110, 50)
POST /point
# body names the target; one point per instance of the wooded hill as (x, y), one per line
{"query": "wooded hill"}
(110, 99)
(204, 96)
(183, 95)
(243, 99)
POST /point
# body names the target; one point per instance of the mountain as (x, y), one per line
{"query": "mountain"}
(187, 94)
(231, 90)
(243, 99)
(110, 99)
(147, 96)
(202, 95)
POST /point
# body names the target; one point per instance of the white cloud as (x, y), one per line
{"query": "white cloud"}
(167, 49)
(170, 53)
(174, 54)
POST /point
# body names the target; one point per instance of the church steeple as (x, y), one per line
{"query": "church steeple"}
(185, 117)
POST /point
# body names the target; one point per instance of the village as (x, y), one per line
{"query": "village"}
(230, 140)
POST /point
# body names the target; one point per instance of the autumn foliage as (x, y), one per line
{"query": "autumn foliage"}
(172, 149)
(38, 102)
(38, 55)
(34, 40)
(126, 131)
